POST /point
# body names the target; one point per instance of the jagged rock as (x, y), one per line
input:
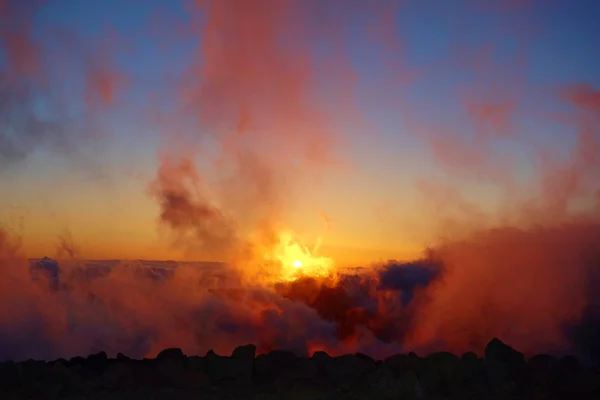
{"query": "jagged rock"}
(543, 370)
(284, 366)
(470, 362)
(97, 362)
(195, 363)
(119, 374)
(193, 379)
(9, 376)
(243, 357)
(442, 374)
(503, 373)
(53, 380)
(382, 383)
(379, 377)
(77, 361)
(273, 365)
(401, 363)
(584, 382)
(568, 365)
(348, 367)
(31, 370)
(474, 372)
(504, 365)
(222, 368)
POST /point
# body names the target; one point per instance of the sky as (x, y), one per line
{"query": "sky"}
(401, 103)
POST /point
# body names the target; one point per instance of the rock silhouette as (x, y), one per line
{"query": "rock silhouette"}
(503, 373)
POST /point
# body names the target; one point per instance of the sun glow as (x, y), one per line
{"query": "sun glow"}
(294, 259)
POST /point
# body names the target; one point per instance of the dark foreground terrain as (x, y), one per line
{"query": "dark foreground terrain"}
(502, 374)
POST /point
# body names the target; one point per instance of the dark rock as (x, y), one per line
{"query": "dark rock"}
(275, 364)
(284, 366)
(172, 353)
(244, 357)
(442, 374)
(348, 367)
(118, 374)
(365, 357)
(568, 365)
(584, 382)
(122, 357)
(225, 369)
(59, 381)
(195, 363)
(247, 352)
(472, 365)
(379, 377)
(59, 361)
(504, 365)
(475, 377)
(9, 376)
(401, 363)
(31, 369)
(193, 379)
(97, 362)
(543, 370)
(170, 364)
(77, 361)
(502, 373)
(382, 383)
(320, 357)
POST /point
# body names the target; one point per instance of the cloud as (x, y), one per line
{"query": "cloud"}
(41, 64)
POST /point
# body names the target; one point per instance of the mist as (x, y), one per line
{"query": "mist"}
(264, 101)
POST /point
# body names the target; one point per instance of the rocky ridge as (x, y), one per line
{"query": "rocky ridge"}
(503, 373)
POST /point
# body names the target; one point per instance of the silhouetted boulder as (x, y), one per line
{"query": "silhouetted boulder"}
(442, 374)
(348, 367)
(57, 381)
(543, 370)
(171, 354)
(170, 364)
(118, 374)
(400, 363)
(97, 362)
(504, 365)
(9, 376)
(285, 367)
(584, 382)
(77, 361)
(247, 352)
(195, 363)
(243, 357)
(193, 380)
(502, 373)
(320, 357)
(382, 383)
(319, 361)
(475, 375)
(222, 369)
(568, 365)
